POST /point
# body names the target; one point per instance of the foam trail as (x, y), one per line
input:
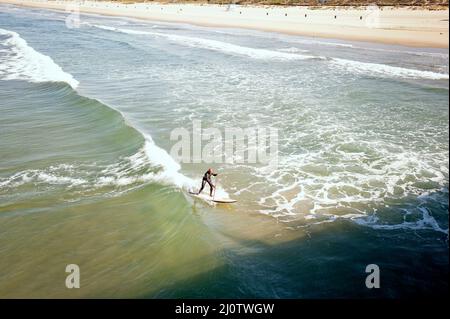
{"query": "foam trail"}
(19, 61)
(214, 45)
(387, 70)
(170, 168)
(427, 222)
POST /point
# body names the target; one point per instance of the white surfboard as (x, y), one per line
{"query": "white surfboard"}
(215, 200)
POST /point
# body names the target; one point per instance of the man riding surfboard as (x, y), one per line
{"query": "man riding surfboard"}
(207, 179)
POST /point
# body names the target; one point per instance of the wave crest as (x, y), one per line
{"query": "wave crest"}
(19, 61)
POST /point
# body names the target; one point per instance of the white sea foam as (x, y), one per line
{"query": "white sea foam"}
(427, 222)
(324, 43)
(170, 172)
(170, 168)
(54, 175)
(293, 50)
(289, 54)
(376, 69)
(151, 164)
(402, 51)
(304, 186)
(19, 61)
(215, 45)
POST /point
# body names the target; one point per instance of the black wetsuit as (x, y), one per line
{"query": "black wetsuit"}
(207, 179)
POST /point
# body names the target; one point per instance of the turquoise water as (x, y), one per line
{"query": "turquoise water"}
(86, 176)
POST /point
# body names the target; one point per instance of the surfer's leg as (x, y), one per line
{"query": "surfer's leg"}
(203, 186)
(211, 187)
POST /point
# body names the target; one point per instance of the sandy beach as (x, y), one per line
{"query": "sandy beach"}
(404, 26)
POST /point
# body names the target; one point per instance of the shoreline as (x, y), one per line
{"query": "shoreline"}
(395, 26)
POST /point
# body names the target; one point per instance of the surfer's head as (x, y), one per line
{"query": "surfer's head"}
(209, 170)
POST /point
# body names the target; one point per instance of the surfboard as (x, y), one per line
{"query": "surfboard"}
(215, 200)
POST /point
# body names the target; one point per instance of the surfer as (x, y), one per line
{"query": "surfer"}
(207, 179)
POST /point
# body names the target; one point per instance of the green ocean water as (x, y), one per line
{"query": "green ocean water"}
(86, 176)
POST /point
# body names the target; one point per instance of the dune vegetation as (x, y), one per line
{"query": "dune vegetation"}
(432, 4)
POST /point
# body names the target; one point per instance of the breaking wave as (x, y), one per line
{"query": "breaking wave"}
(19, 61)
